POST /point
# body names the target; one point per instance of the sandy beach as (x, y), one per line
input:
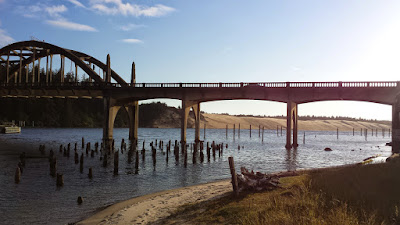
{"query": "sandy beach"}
(220, 121)
(153, 207)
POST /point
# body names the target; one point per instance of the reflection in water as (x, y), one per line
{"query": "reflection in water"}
(290, 160)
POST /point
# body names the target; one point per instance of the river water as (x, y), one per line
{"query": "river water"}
(37, 200)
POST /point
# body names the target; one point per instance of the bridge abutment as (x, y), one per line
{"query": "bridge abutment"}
(396, 125)
(291, 123)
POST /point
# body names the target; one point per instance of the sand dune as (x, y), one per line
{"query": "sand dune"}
(220, 121)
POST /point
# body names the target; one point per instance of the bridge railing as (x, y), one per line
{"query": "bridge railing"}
(362, 84)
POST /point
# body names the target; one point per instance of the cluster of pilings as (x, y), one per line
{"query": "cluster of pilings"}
(279, 131)
(198, 151)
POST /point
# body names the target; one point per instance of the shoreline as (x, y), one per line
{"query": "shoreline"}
(164, 203)
(153, 207)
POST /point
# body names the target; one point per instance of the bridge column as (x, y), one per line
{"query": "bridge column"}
(110, 112)
(291, 122)
(196, 109)
(186, 106)
(184, 117)
(133, 112)
(396, 126)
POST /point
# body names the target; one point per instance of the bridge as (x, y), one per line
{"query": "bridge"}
(22, 76)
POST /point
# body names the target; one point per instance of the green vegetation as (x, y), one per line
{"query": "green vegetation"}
(348, 195)
(77, 112)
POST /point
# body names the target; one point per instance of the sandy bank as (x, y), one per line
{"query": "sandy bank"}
(153, 207)
(220, 121)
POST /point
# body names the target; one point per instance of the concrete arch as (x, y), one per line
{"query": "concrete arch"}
(49, 49)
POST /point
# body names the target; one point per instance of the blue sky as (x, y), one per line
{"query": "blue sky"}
(225, 41)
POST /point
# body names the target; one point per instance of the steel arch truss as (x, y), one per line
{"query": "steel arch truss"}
(18, 55)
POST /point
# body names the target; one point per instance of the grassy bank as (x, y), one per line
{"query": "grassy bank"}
(349, 195)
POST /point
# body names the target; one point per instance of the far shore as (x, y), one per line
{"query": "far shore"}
(220, 121)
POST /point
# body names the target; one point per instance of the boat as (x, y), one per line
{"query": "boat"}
(9, 128)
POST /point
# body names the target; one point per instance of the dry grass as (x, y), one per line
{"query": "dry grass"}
(351, 195)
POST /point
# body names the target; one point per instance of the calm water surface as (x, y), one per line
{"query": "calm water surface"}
(37, 200)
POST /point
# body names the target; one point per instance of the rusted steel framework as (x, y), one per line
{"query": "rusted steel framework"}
(15, 58)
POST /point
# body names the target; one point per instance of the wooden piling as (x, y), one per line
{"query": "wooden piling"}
(250, 130)
(262, 140)
(337, 133)
(259, 130)
(21, 167)
(153, 155)
(60, 180)
(234, 131)
(166, 158)
(90, 175)
(234, 177)
(304, 138)
(80, 200)
(185, 159)
(137, 162)
(239, 131)
(76, 158)
(208, 152)
(53, 167)
(83, 142)
(17, 177)
(81, 163)
(204, 138)
(226, 131)
(201, 156)
(353, 131)
(105, 159)
(116, 162)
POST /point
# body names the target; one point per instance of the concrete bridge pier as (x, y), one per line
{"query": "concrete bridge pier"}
(133, 113)
(291, 123)
(186, 106)
(110, 112)
(396, 125)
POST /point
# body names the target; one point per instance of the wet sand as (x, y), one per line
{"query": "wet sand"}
(153, 207)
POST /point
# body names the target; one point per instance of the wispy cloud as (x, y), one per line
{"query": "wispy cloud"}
(5, 39)
(52, 15)
(33, 11)
(132, 41)
(131, 26)
(117, 7)
(55, 11)
(77, 3)
(65, 24)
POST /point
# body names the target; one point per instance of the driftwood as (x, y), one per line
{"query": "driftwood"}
(250, 181)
